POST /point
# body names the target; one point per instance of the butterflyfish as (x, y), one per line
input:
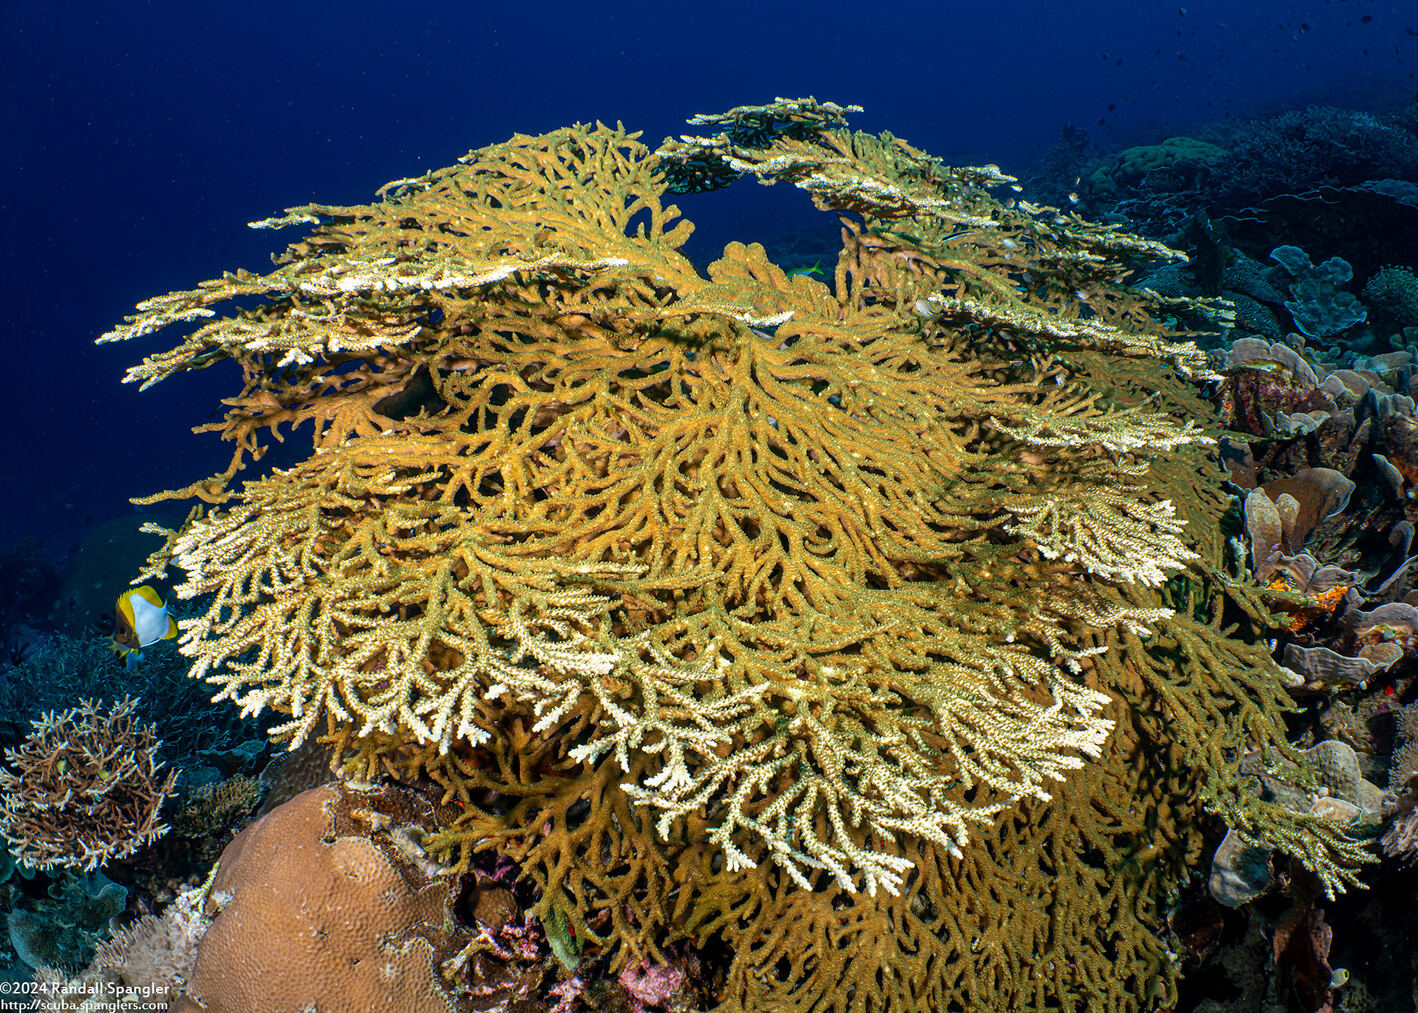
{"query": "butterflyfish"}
(140, 619)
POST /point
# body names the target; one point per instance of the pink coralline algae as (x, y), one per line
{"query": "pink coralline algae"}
(651, 985)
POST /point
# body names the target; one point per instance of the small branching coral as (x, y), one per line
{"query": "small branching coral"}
(795, 583)
(83, 789)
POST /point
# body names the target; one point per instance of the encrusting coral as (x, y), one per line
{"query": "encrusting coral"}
(842, 622)
(84, 788)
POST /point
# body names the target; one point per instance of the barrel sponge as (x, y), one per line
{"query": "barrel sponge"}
(314, 914)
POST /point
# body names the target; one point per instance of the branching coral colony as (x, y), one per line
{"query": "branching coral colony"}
(84, 788)
(831, 622)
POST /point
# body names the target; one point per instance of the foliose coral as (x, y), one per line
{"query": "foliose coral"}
(1319, 306)
(63, 927)
(823, 619)
(1355, 626)
(84, 788)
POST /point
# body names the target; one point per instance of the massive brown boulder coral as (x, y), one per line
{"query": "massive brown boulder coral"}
(827, 620)
(326, 903)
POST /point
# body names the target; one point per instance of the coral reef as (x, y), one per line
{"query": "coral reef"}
(1322, 179)
(1234, 166)
(1330, 458)
(57, 669)
(53, 672)
(1305, 149)
(876, 630)
(1324, 458)
(84, 788)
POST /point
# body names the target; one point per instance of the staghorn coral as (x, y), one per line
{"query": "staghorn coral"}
(213, 808)
(84, 788)
(210, 816)
(818, 599)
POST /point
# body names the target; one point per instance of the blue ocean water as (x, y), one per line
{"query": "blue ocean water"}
(136, 141)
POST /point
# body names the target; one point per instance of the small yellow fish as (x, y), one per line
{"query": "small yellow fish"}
(816, 269)
(140, 619)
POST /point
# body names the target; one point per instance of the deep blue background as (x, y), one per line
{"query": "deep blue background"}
(138, 139)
